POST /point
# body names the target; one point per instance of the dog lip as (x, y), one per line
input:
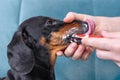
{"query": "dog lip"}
(70, 34)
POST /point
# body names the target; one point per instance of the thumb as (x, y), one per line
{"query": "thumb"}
(75, 16)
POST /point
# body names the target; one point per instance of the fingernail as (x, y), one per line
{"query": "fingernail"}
(69, 17)
(66, 19)
(59, 53)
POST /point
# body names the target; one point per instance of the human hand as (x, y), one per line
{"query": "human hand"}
(108, 47)
(73, 50)
(102, 24)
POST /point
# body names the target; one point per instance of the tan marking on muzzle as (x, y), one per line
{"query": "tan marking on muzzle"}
(56, 41)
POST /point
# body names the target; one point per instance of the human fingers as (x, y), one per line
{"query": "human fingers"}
(117, 62)
(78, 53)
(108, 55)
(59, 53)
(87, 52)
(111, 34)
(102, 43)
(70, 49)
(75, 16)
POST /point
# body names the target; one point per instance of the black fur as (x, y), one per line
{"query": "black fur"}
(28, 59)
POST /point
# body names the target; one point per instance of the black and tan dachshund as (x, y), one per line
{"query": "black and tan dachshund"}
(32, 50)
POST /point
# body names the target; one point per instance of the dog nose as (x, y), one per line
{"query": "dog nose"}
(9, 53)
(85, 27)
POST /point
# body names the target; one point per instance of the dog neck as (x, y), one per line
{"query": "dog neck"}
(42, 69)
(40, 73)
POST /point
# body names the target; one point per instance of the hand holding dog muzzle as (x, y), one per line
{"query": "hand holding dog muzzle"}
(84, 50)
(76, 49)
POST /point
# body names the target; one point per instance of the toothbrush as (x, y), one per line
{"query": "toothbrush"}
(78, 37)
(86, 36)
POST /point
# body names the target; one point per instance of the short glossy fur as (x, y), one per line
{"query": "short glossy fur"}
(32, 50)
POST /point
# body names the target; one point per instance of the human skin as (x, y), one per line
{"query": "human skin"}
(107, 47)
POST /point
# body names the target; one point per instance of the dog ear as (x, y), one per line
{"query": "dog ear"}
(20, 56)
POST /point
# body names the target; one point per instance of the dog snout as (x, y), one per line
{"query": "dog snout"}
(9, 53)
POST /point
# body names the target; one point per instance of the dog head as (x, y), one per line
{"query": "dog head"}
(37, 40)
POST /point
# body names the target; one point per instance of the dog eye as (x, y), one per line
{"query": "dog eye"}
(50, 22)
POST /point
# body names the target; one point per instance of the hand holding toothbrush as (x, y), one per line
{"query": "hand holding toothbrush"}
(107, 47)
